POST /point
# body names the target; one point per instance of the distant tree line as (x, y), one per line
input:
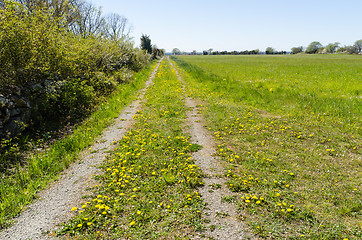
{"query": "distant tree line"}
(313, 48)
(246, 52)
(317, 48)
(210, 51)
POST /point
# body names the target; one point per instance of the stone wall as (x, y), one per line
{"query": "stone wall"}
(15, 111)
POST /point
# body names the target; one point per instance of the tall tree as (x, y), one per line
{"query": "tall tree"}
(332, 47)
(313, 47)
(296, 50)
(90, 21)
(117, 26)
(269, 50)
(146, 43)
(67, 10)
(176, 51)
(358, 46)
(351, 49)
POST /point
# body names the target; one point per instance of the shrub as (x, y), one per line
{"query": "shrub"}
(70, 71)
(29, 44)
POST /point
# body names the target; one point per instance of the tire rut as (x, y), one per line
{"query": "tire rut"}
(222, 219)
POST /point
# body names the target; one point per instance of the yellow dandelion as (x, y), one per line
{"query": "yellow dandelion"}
(74, 209)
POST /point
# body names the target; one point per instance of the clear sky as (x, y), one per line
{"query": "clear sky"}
(240, 24)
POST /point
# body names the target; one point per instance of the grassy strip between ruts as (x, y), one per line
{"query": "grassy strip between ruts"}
(148, 188)
(297, 173)
(20, 187)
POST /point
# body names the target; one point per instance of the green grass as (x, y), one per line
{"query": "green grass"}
(19, 186)
(330, 83)
(148, 189)
(289, 129)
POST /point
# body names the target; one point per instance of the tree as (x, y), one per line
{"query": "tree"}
(269, 50)
(117, 26)
(332, 47)
(146, 43)
(313, 47)
(255, 51)
(176, 51)
(89, 22)
(296, 50)
(358, 46)
(351, 49)
(67, 10)
(341, 50)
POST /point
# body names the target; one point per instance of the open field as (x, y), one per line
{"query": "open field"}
(289, 127)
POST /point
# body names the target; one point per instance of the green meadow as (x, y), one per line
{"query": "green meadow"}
(330, 83)
(288, 131)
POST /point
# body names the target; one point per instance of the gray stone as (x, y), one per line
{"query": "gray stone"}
(25, 115)
(14, 126)
(3, 101)
(21, 103)
(7, 116)
(15, 112)
(10, 105)
(37, 87)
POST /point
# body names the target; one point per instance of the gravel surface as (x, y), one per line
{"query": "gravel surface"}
(54, 204)
(222, 218)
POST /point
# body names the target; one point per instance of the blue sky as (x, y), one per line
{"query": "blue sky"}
(240, 24)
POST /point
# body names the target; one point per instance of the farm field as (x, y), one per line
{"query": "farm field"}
(288, 128)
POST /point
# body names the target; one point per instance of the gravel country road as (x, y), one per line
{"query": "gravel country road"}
(54, 204)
